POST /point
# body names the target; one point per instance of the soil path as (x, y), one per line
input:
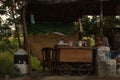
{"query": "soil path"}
(48, 76)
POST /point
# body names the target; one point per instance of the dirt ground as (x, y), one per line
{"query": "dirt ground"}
(37, 42)
(48, 76)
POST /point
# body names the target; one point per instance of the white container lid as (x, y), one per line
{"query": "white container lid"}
(21, 52)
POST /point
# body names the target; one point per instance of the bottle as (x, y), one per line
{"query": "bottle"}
(80, 43)
(92, 42)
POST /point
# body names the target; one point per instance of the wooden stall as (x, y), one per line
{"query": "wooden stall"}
(81, 59)
(66, 11)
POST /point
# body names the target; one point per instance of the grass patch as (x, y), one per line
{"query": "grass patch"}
(35, 63)
(6, 62)
(8, 47)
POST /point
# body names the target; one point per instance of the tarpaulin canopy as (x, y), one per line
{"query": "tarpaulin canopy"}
(70, 10)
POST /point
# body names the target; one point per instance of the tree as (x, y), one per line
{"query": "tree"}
(91, 25)
(13, 9)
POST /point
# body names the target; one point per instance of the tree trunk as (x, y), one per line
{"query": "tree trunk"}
(16, 28)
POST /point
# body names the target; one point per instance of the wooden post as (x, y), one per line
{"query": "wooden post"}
(101, 16)
(26, 41)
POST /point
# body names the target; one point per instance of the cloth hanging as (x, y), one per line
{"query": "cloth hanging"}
(32, 19)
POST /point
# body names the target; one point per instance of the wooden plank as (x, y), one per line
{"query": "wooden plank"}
(76, 55)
